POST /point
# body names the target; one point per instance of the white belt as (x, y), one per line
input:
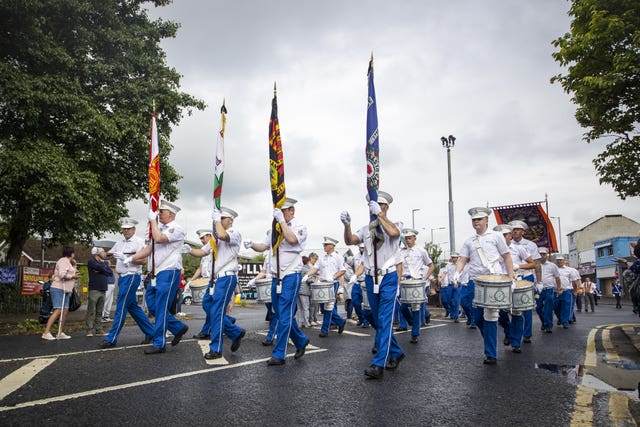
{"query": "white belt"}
(128, 273)
(381, 272)
(226, 273)
(464, 284)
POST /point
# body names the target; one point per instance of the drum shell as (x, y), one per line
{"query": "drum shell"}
(365, 297)
(412, 291)
(322, 292)
(198, 288)
(263, 290)
(492, 291)
(523, 296)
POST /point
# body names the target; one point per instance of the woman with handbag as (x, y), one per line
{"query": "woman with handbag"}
(64, 277)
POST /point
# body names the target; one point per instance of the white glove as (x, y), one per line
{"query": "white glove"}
(216, 216)
(247, 244)
(153, 216)
(340, 291)
(374, 208)
(456, 277)
(539, 287)
(305, 278)
(128, 260)
(353, 279)
(345, 217)
(117, 255)
(278, 215)
(186, 249)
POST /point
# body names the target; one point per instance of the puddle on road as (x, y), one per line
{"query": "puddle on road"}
(572, 373)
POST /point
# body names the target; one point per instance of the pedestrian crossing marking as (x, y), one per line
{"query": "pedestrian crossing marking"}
(22, 375)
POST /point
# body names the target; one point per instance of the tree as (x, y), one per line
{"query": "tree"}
(77, 80)
(602, 53)
(434, 251)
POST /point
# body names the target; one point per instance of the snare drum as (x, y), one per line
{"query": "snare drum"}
(198, 288)
(492, 291)
(263, 289)
(523, 295)
(365, 297)
(322, 292)
(412, 291)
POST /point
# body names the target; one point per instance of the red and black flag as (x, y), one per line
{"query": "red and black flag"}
(276, 170)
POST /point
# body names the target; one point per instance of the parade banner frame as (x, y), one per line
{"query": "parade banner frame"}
(540, 231)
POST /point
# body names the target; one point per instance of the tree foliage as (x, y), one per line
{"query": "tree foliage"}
(77, 80)
(602, 53)
(435, 252)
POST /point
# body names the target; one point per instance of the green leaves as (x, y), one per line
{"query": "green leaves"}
(77, 80)
(602, 53)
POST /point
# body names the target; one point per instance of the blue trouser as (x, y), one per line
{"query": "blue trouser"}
(207, 302)
(544, 308)
(505, 322)
(466, 301)
(454, 301)
(562, 306)
(285, 306)
(331, 316)
(128, 302)
(221, 323)
(382, 307)
(528, 314)
(159, 300)
(572, 317)
(488, 329)
(516, 329)
(273, 323)
(445, 298)
(356, 298)
(412, 317)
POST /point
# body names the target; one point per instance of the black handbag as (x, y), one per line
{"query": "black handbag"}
(74, 300)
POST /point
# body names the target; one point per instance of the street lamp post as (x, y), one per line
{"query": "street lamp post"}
(448, 143)
(413, 219)
(433, 229)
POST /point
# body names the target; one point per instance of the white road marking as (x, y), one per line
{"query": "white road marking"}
(204, 346)
(98, 391)
(22, 375)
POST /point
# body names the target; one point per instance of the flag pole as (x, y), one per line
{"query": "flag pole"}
(153, 242)
(372, 158)
(278, 248)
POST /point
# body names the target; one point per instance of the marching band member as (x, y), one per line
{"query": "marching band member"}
(527, 274)
(466, 291)
(416, 264)
(550, 282)
(514, 327)
(356, 292)
(562, 303)
(382, 261)
(168, 236)
(330, 267)
(286, 282)
(204, 271)
(483, 253)
(129, 277)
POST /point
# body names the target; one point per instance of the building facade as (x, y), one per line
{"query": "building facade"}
(607, 253)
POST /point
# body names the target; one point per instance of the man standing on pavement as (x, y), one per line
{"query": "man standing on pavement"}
(99, 271)
(225, 269)
(383, 267)
(168, 236)
(285, 284)
(129, 277)
(527, 274)
(330, 268)
(550, 284)
(487, 253)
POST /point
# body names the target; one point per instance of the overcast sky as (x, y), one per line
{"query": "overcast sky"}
(477, 70)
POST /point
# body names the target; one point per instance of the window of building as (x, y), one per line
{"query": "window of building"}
(605, 251)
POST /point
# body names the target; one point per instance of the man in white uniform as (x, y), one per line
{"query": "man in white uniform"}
(562, 303)
(204, 271)
(550, 277)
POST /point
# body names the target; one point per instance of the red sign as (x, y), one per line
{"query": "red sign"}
(30, 277)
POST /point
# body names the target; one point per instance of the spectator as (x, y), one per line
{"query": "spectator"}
(589, 289)
(108, 298)
(99, 272)
(64, 277)
(617, 293)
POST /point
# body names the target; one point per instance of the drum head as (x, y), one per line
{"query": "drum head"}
(492, 278)
(523, 283)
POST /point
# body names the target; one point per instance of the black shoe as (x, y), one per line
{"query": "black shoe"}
(359, 323)
(365, 326)
(147, 340)
(267, 343)
(456, 321)
(323, 334)
(235, 345)
(468, 322)
(300, 352)
(176, 339)
(558, 323)
(374, 372)
(506, 341)
(394, 363)
(341, 327)
(527, 340)
(213, 355)
(472, 326)
(548, 330)
(374, 350)
(107, 344)
(427, 319)
(414, 339)
(565, 326)
(516, 350)
(275, 361)
(154, 350)
(490, 361)
(201, 336)
(400, 329)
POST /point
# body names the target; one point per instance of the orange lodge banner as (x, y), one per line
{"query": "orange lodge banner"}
(540, 229)
(276, 170)
(154, 168)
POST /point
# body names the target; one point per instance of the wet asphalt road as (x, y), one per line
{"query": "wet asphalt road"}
(442, 381)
